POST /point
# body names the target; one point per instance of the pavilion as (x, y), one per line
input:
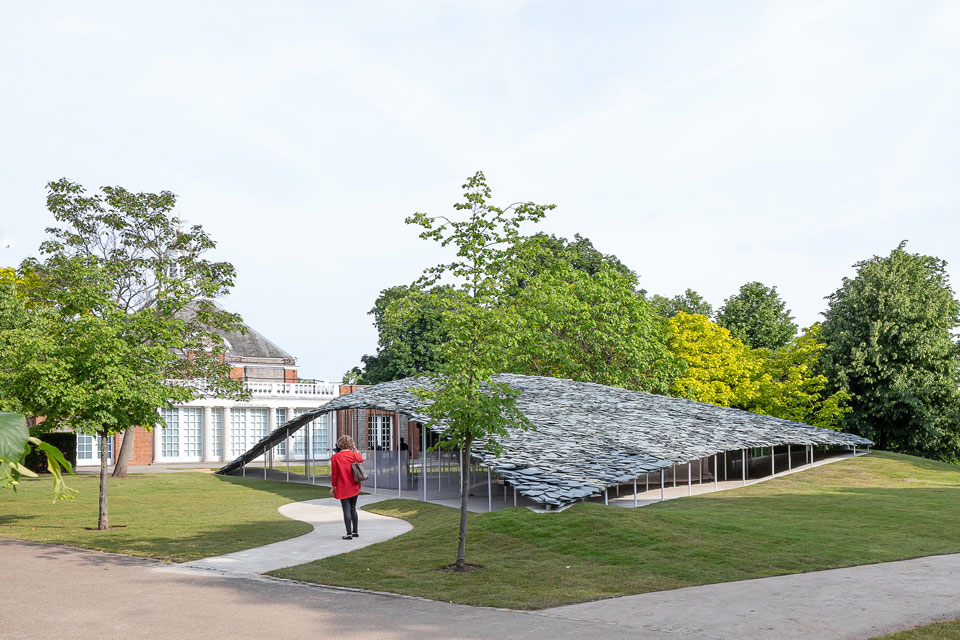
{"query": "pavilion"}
(587, 439)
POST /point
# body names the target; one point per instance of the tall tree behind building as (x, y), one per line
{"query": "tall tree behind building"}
(757, 316)
(889, 334)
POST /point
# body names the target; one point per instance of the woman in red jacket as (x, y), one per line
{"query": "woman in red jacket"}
(345, 488)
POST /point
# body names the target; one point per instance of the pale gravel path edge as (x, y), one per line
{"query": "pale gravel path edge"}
(326, 517)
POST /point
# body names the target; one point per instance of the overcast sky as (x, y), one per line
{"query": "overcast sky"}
(706, 144)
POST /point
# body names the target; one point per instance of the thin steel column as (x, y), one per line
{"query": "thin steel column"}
(854, 451)
(423, 461)
(716, 473)
(725, 466)
(661, 484)
(489, 491)
(773, 463)
(399, 456)
(634, 492)
(789, 461)
(744, 451)
(244, 469)
(689, 479)
(647, 478)
(604, 495)
(514, 496)
(700, 469)
(286, 450)
(674, 476)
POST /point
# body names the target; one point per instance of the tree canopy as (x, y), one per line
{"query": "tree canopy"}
(569, 323)
(757, 316)
(120, 304)
(689, 302)
(889, 334)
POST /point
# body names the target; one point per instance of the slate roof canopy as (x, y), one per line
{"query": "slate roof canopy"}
(590, 436)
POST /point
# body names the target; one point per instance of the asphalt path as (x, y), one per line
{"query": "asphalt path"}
(49, 591)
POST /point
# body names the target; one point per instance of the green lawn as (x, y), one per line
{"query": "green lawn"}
(938, 631)
(170, 516)
(876, 508)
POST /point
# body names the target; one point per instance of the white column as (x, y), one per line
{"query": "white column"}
(290, 442)
(157, 443)
(208, 435)
(225, 436)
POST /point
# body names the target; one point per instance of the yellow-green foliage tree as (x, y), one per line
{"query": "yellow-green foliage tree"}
(722, 370)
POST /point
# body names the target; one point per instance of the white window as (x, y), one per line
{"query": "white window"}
(170, 434)
(256, 425)
(238, 432)
(216, 424)
(191, 432)
(380, 432)
(320, 441)
(88, 448)
(300, 437)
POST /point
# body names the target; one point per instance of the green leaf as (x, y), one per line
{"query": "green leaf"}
(13, 437)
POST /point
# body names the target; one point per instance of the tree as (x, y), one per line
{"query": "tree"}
(719, 368)
(410, 334)
(462, 399)
(410, 342)
(790, 385)
(890, 345)
(723, 371)
(123, 302)
(569, 323)
(757, 316)
(689, 302)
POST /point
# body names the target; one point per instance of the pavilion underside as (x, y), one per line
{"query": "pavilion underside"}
(589, 438)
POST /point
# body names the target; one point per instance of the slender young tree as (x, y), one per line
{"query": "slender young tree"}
(471, 409)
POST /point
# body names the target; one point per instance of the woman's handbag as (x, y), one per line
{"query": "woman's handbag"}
(359, 473)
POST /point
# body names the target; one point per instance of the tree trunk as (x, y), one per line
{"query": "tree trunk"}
(464, 498)
(123, 456)
(104, 521)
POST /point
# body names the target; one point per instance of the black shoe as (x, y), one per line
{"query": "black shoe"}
(356, 535)
(346, 537)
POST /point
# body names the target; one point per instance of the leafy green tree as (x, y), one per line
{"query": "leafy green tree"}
(757, 316)
(689, 302)
(122, 304)
(540, 251)
(569, 323)
(410, 343)
(469, 407)
(790, 385)
(889, 334)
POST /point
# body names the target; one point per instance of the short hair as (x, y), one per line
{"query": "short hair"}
(345, 442)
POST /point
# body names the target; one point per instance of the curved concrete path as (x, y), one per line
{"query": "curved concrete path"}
(326, 516)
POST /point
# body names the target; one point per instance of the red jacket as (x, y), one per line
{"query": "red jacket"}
(341, 474)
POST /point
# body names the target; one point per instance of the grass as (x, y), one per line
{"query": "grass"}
(877, 508)
(169, 516)
(937, 631)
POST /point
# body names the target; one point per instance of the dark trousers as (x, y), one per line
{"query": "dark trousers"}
(350, 517)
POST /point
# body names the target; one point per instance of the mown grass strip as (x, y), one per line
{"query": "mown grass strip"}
(170, 516)
(876, 508)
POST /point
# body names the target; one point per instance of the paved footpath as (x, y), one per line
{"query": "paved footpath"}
(48, 590)
(326, 516)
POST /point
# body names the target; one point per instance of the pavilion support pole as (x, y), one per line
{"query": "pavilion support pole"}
(674, 476)
(700, 469)
(423, 461)
(744, 451)
(264, 464)
(634, 492)
(689, 479)
(854, 451)
(661, 484)
(399, 456)
(286, 450)
(489, 491)
(725, 466)
(244, 469)
(789, 460)
(716, 473)
(604, 495)
(514, 496)
(647, 474)
(773, 464)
